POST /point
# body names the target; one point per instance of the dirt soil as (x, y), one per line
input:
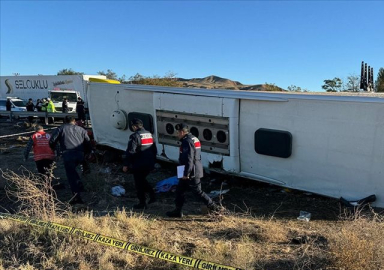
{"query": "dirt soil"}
(252, 197)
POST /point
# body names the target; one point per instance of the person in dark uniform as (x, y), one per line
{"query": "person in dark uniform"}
(190, 157)
(8, 104)
(30, 108)
(38, 105)
(72, 139)
(140, 160)
(64, 105)
(80, 109)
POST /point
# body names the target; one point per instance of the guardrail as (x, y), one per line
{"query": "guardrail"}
(45, 115)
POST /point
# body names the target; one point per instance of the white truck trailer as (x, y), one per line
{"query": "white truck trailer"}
(325, 144)
(57, 87)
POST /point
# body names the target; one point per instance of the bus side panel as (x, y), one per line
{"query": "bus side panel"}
(104, 99)
(337, 147)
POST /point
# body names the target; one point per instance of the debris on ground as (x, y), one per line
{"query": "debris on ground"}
(118, 191)
(106, 170)
(363, 201)
(22, 138)
(306, 216)
(216, 193)
(166, 185)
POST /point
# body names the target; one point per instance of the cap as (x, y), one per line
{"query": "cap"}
(136, 121)
(48, 99)
(181, 126)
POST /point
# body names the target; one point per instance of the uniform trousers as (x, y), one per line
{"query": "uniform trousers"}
(43, 164)
(71, 160)
(142, 186)
(193, 184)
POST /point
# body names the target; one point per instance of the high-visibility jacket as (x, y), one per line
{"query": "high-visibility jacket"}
(44, 107)
(40, 144)
(51, 107)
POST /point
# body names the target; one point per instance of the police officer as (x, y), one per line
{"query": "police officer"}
(72, 139)
(190, 157)
(140, 159)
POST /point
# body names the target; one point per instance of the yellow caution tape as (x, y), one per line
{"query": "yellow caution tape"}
(109, 241)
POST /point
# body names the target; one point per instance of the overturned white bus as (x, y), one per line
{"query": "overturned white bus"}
(326, 144)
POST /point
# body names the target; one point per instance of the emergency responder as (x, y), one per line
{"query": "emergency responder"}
(51, 108)
(80, 109)
(30, 108)
(140, 160)
(190, 157)
(72, 139)
(44, 156)
(64, 105)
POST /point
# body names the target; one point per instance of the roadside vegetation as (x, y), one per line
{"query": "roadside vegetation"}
(241, 239)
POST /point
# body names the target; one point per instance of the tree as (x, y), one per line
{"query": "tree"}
(353, 83)
(333, 85)
(123, 79)
(69, 71)
(380, 81)
(109, 74)
(294, 88)
(169, 79)
(271, 87)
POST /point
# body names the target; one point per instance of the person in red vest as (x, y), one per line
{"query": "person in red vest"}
(140, 160)
(190, 158)
(44, 156)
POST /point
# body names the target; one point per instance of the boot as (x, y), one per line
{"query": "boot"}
(81, 186)
(140, 206)
(58, 186)
(175, 213)
(216, 209)
(152, 199)
(76, 200)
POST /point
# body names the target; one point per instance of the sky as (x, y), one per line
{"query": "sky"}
(299, 43)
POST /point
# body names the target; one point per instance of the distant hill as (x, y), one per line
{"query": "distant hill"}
(215, 82)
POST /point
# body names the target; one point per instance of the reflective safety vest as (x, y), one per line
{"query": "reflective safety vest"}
(51, 107)
(41, 147)
(141, 151)
(190, 156)
(146, 139)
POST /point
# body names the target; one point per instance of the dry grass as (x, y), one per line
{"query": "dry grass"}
(358, 241)
(241, 240)
(33, 193)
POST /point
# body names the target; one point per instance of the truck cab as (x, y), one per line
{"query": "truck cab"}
(57, 97)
